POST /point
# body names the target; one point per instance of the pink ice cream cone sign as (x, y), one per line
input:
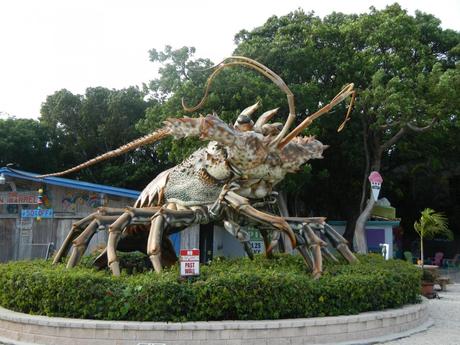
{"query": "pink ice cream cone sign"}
(376, 183)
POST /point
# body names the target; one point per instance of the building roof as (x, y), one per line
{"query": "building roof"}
(65, 182)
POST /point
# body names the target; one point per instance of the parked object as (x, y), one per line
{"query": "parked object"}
(442, 282)
(409, 257)
(437, 260)
(454, 262)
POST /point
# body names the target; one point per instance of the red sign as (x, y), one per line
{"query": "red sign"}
(9, 198)
(189, 262)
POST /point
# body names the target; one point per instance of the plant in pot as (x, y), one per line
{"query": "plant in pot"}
(431, 224)
(428, 279)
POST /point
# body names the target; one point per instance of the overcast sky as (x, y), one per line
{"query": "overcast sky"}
(48, 45)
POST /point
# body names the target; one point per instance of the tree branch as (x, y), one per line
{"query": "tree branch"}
(367, 157)
(403, 131)
(422, 129)
(390, 125)
(393, 139)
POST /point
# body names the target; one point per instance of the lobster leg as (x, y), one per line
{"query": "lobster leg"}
(78, 227)
(242, 236)
(264, 233)
(116, 232)
(307, 256)
(241, 205)
(73, 233)
(315, 244)
(114, 236)
(340, 243)
(82, 241)
(170, 217)
(328, 254)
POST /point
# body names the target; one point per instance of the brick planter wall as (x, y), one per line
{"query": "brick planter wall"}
(18, 328)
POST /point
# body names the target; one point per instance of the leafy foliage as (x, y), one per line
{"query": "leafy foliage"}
(84, 126)
(24, 143)
(432, 223)
(403, 66)
(407, 76)
(237, 289)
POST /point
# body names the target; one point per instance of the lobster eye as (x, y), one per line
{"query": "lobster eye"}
(243, 119)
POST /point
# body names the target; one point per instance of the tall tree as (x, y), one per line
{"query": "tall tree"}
(85, 126)
(24, 143)
(403, 67)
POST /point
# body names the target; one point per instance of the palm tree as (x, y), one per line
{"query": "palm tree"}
(431, 223)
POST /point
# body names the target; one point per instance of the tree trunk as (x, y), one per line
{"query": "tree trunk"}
(350, 227)
(421, 250)
(360, 234)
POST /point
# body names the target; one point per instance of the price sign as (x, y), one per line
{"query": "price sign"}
(189, 262)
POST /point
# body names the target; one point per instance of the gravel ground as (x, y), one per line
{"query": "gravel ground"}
(445, 313)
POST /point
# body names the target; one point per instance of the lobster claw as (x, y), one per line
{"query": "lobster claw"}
(241, 205)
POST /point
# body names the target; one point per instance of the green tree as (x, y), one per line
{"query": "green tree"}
(84, 126)
(403, 66)
(24, 143)
(431, 224)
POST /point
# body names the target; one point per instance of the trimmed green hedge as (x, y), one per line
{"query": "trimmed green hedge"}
(226, 290)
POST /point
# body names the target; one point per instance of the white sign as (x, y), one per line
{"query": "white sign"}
(256, 240)
(189, 262)
(257, 247)
(376, 183)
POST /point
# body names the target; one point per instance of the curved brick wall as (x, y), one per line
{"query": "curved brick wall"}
(21, 329)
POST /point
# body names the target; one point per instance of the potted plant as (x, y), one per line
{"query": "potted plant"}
(430, 224)
(428, 279)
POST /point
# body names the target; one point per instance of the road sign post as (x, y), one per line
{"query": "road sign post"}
(189, 262)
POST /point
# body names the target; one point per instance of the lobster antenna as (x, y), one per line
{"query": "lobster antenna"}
(250, 63)
(145, 140)
(342, 95)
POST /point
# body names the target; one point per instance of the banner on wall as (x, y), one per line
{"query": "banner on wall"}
(19, 198)
(34, 213)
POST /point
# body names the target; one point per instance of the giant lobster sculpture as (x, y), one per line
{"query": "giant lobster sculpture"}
(230, 181)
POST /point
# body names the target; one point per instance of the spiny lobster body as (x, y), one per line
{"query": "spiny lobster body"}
(228, 182)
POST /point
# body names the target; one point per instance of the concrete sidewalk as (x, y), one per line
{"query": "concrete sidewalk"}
(445, 312)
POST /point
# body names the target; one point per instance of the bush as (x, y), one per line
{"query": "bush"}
(237, 289)
(428, 276)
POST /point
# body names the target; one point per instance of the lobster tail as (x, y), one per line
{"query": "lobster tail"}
(145, 140)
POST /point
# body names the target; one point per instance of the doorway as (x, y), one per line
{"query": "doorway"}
(206, 242)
